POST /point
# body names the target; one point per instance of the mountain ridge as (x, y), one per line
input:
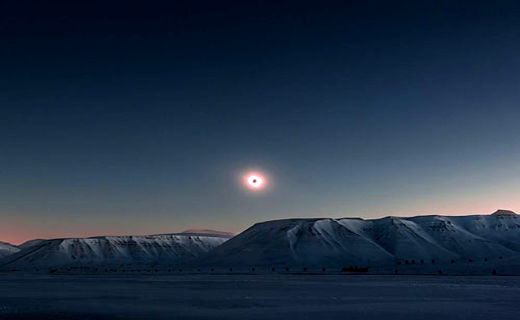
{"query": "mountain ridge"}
(418, 244)
(175, 248)
(329, 242)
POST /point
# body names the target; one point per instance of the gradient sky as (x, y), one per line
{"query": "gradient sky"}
(130, 118)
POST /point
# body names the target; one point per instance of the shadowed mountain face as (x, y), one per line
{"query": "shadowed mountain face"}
(377, 242)
(171, 249)
(7, 249)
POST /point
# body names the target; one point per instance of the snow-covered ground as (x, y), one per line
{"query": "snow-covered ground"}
(24, 296)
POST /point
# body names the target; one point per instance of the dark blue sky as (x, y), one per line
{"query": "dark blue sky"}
(138, 118)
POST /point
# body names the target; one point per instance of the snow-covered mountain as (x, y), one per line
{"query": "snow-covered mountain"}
(423, 241)
(7, 249)
(422, 244)
(162, 249)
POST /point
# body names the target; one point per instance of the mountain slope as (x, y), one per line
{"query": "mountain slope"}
(376, 243)
(7, 249)
(464, 238)
(174, 249)
(299, 242)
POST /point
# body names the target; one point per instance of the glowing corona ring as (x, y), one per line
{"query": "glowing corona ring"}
(254, 181)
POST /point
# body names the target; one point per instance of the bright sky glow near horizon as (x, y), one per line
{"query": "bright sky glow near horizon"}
(132, 118)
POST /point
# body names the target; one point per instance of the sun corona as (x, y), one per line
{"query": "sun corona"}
(254, 181)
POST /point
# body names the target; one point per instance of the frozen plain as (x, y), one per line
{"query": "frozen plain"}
(270, 296)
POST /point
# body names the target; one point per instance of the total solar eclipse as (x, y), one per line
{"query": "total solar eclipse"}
(254, 181)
